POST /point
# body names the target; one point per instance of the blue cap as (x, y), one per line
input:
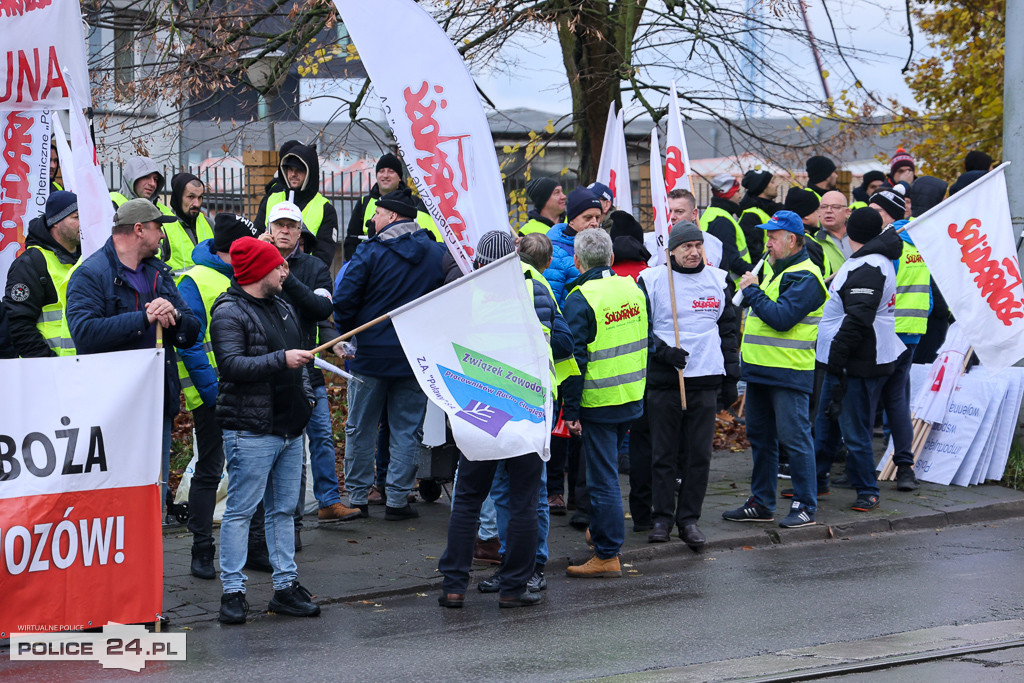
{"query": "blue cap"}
(602, 191)
(785, 220)
(579, 201)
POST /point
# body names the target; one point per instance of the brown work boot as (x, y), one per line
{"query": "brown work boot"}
(556, 504)
(596, 568)
(375, 497)
(339, 512)
(487, 552)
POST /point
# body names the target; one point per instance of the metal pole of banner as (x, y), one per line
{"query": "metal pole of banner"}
(675, 320)
(1013, 116)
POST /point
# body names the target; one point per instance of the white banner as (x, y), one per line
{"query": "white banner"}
(43, 49)
(659, 202)
(967, 243)
(73, 414)
(95, 211)
(613, 167)
(932, 399)
(24, 179)
(435, 113)
(487, 366)
(677, 157)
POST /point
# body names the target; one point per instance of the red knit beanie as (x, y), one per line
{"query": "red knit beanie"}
(252, 259)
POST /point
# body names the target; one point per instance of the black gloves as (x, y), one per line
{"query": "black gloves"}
(670, 355)
(835, 406)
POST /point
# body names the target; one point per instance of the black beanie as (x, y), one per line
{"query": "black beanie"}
(818, 169)
(389, 160)
(539, 191)
(801, 202)
(871, 177)
(755, 182)
(228, 227)
(580, 200)
(624, 225)
(976, 160)
(864, 225)
(892, 201)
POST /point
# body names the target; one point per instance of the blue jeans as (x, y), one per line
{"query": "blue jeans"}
(260, 467)
(601, 454)
(896, 399)
(780, 417)
(855, 424)
(406, 406)
(321, 452)
(500, 496)
(488, 517)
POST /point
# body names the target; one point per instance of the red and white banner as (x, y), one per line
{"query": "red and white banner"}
(613, 167)
(42, 48)
(80, 537)
(967, 243)
(24, 178)
(677, 158)
(659, 201)
(85, 178)
(436, 116)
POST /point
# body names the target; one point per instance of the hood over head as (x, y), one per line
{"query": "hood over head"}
(135, 168)
(178, 183)
(305, 157)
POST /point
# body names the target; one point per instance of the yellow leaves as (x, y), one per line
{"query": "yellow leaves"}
(550, 128)
(564, 171)
(824, 73)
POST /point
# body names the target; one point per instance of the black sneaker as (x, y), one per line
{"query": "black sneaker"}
(491, 583)
(202, 561)
(905, 479)
(784, 471)
(798, 516)
(258, 559)
(398, 514)
(865, 503)
(294, 601)
(750, 511)
(537, 582)
(233, 608)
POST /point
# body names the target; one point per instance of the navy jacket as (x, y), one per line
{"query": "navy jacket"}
(799, 294)
(583, 325)
(397, 265)
(105, 313)
(202, 374)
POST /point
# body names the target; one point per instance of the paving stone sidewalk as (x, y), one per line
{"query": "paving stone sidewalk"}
(372, 558)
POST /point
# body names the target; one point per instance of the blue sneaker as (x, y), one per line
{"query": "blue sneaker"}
(798, 516)
(750, 511)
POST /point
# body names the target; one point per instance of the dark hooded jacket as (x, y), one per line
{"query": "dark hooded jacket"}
(395, 266)
(964, 180)
(725, 231)
(750, 223)
(308, 275)
(326, 234)
(178, 183)
(631, 255)
(926, 192)
(29, 288)
(135, 168)
(6, 347)
(854, 347)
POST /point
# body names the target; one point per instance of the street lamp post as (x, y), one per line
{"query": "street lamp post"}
(266, 76)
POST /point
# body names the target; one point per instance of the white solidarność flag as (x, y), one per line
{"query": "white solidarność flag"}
(677, 158)
(967, 243)
(659, 201)
(42, 53)
(24, 181)
(613, 167)
(436, 116)
(487, 365)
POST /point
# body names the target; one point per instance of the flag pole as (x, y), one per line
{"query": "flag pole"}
(351, 333)
(675, 319)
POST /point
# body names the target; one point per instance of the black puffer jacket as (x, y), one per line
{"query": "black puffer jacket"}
(306, 276)
(255, 381)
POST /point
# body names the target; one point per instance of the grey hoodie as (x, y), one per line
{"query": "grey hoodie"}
(135, 168)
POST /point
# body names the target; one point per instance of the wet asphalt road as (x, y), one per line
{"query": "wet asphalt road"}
(663, 613)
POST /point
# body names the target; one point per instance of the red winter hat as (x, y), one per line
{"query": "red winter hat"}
(900, 159)
(252, 259)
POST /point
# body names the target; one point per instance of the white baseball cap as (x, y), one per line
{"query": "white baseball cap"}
(284, 210)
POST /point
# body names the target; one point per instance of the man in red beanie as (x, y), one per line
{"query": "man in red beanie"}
(901, 167)
(264, 402)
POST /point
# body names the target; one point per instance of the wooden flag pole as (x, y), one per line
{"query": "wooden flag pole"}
(351, 333)
(675, 320)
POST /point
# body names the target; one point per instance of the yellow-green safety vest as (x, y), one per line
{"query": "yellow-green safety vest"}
(211, 283)
(533, 225)
(617, 358)
(181, 245)
(566, 367)
(312, 214)
(834, 258)
(52, 323)
(827, 264)
(913, 292)
(793, 348)
(424, 220)
(858, 205)
(714, 212)
(762, 215)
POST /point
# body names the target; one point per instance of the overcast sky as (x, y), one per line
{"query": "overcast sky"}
(874, 32)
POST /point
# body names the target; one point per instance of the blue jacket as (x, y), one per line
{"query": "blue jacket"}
(562, 270)
(909, 339)
(203, 376)
(397, 265)
(799, 294)
(105, 313)
(583, 325)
